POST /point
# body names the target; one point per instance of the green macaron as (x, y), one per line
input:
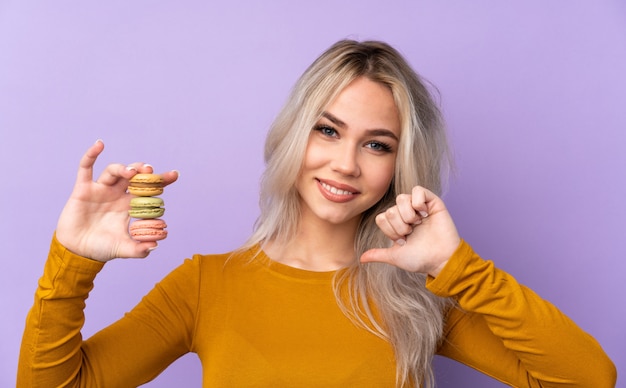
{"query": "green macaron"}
(146, 207)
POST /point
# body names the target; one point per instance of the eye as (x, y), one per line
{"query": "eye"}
(379, 146)
(326, 130)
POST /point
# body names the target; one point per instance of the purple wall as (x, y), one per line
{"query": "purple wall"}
(534, 95)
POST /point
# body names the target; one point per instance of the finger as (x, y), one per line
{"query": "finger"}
(420, 198)
(170, 177)
(141, 250)
(145, 168)
(114, 173)
(406, 211)
(396, 222)
(388, 230)
(377, 255)
(127, 247)
(85, 167)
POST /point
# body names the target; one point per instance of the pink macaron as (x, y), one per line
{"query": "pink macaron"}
(148, 230)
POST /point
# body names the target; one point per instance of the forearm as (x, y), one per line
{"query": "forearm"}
(549, 346)
(50, 353)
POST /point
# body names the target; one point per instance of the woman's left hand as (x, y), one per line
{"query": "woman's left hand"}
(423, 232)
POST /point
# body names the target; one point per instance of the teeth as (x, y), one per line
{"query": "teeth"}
(335, 190)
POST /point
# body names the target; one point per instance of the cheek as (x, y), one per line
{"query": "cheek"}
(314, 156)
(381, 175)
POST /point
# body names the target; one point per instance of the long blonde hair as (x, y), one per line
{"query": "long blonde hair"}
(389, 302)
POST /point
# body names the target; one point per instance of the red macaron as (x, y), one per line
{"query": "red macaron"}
(148, 230)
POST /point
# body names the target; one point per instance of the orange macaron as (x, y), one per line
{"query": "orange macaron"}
(146, 185)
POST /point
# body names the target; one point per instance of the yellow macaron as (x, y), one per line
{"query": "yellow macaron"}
(146, 185)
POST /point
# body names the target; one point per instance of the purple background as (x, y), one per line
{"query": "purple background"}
(534, 94)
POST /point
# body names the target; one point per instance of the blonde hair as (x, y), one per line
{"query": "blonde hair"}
(389, 302)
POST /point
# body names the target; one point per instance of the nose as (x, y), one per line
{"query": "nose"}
(346, 161)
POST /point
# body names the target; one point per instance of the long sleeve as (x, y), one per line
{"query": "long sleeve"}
(128, 353)
(508, 332)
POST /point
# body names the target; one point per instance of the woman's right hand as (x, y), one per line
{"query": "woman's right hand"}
(94, 221)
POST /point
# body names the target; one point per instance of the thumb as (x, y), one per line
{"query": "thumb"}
(137, 250)
(380, 255)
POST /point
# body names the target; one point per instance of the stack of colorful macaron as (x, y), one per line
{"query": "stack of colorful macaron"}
(147, 208)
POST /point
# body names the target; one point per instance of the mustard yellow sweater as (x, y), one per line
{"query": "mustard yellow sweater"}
(264, 324)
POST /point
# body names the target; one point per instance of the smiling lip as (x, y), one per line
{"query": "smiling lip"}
(336, 192)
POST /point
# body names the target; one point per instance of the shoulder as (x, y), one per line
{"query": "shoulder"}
(201, 274)
(217, 265)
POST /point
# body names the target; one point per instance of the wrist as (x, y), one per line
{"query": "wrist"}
(446, 255)
(434, 272)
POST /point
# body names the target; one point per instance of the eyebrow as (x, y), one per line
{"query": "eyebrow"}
(372, 132)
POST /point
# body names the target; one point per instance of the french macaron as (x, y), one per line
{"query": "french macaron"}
(146, 207)
(148, 230)
(146, 185)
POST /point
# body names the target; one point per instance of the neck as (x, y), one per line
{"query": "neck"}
(316, 246)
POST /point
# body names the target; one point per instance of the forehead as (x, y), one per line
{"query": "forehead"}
(366, 104)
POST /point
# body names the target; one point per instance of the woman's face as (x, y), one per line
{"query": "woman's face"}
(351, 153)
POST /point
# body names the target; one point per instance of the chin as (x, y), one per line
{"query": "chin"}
(337, 220)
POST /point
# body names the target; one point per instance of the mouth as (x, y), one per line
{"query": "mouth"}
(337, 192)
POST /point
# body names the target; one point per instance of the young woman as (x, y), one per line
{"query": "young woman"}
(354, 276)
